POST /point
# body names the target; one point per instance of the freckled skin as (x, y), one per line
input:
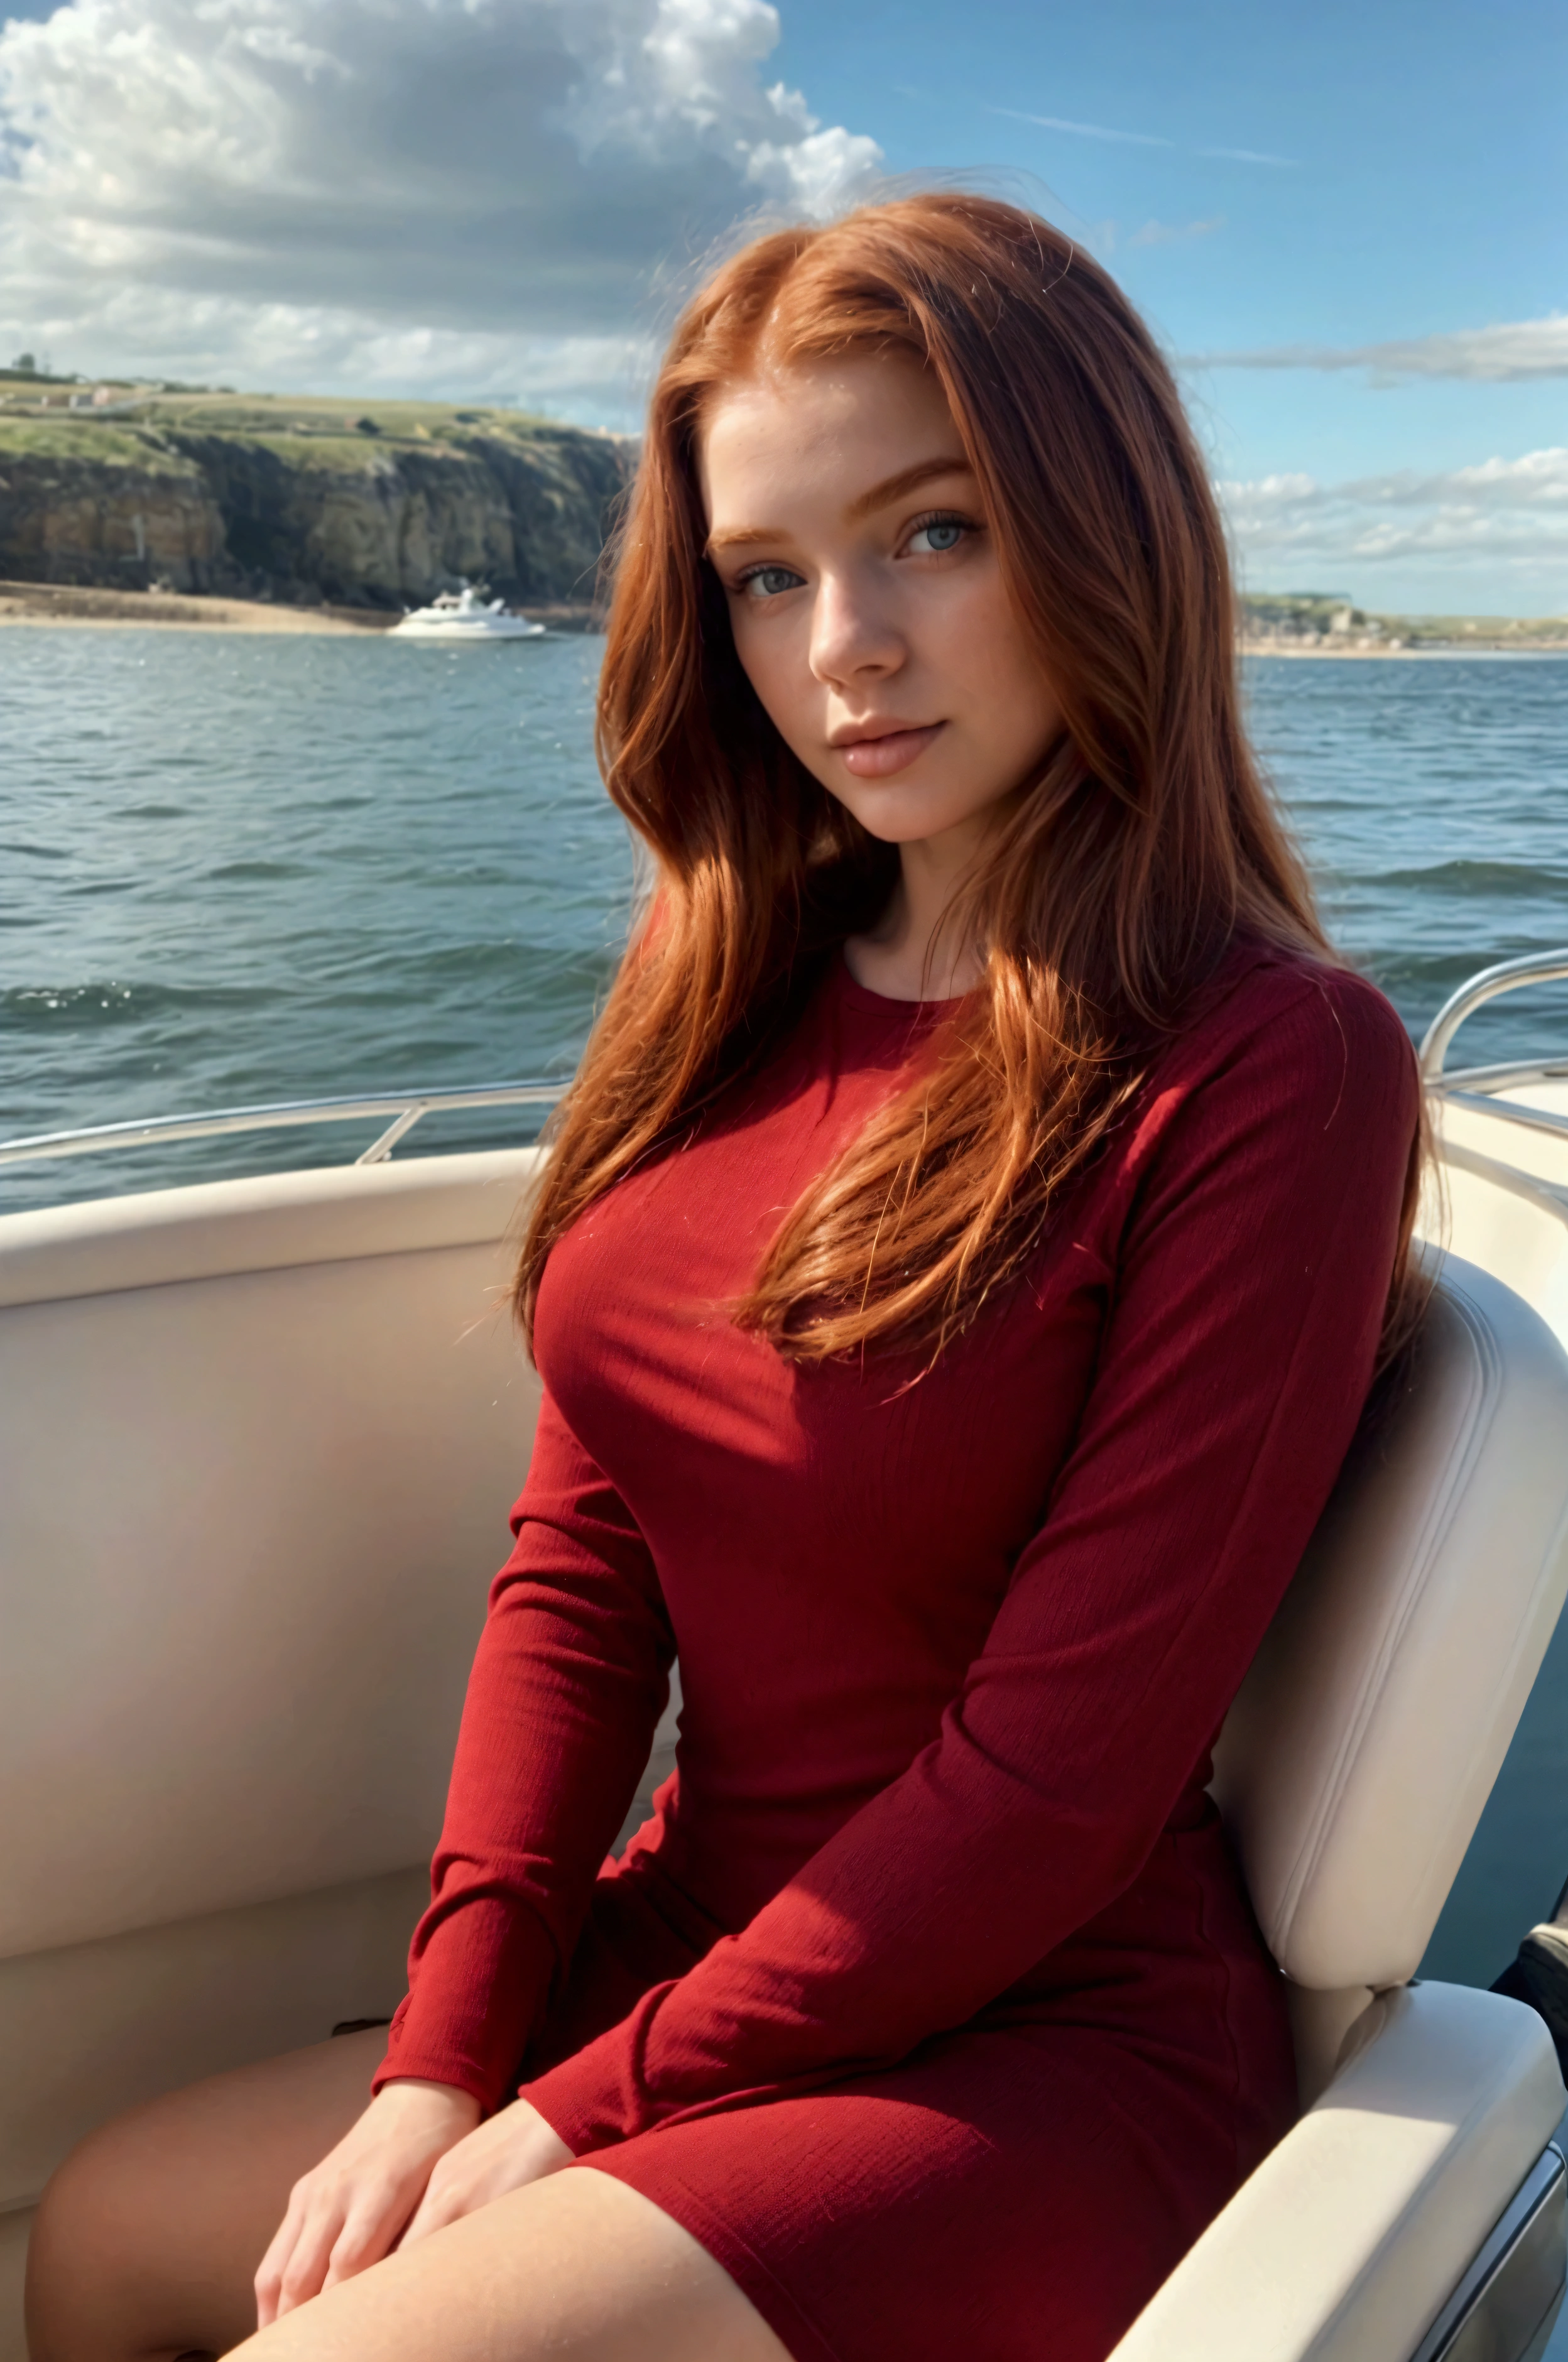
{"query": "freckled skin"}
(875, 613)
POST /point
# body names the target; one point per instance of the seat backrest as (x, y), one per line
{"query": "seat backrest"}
(258, 1442)
(1354, 1764)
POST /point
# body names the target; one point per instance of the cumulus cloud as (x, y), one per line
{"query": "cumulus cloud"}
(1498, 355)
(388, 192)
(1501, 516)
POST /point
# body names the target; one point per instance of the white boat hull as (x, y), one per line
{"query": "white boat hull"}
(456, 617)
(455, 632)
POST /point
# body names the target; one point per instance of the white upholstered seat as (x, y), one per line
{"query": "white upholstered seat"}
(1351, 1772)
(249, 1424)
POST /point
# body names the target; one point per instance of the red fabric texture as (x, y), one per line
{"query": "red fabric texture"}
(929, 1998)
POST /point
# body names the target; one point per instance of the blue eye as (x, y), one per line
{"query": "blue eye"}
(940, 535)
(769, 581)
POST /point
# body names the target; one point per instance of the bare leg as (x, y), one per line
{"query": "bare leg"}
(151, 2232)
(575, 2268)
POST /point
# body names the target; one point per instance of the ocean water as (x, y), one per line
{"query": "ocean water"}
(239, 870)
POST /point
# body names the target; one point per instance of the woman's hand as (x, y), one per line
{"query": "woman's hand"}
(515, 2148)
(346, 2213)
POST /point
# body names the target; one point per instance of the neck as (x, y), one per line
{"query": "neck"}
(910, 954)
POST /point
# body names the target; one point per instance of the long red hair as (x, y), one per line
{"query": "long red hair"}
(1113, 887)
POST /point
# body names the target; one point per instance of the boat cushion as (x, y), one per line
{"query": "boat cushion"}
(1354, 1764)
(1346, 2241)
(259, 1442)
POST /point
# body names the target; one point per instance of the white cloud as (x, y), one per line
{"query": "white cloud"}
(1502, 517)
(1159, 233)
(297, 347)
(1251, 156)
(1503, 353)
(1125, 138)
(448, 189)
(1537, 480)
(1084, 131)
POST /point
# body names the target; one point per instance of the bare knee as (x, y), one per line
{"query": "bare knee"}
(87, 2259)
(139, 2250)
(150, 2234)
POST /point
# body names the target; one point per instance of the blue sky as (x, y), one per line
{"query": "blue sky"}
(1347, 222)
(1420, 186)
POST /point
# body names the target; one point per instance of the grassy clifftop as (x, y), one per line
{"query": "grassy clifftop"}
(304, 498)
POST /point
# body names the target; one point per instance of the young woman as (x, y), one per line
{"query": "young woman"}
(965, 1254)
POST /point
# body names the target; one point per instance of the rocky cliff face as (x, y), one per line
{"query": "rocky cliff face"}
(308, 501)
(117, 512)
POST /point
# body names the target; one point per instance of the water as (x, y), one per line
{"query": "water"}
(1431, 800)
(235, 870)
(240, 870)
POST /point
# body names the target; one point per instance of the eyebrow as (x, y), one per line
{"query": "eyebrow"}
(908, 481)
(892, 488)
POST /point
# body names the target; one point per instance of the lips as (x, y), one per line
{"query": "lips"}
(893, 750)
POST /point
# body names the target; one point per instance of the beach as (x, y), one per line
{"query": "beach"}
(103, 610)
(95, 609)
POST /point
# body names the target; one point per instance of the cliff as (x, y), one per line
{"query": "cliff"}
(303, 501)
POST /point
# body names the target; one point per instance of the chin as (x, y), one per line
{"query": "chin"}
(911, 817)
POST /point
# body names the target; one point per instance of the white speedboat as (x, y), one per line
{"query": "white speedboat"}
(257, 1442)
(464, 615)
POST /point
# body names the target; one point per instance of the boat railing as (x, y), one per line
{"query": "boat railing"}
(1466, 1086)
(1478, 1086)
(405, 1107)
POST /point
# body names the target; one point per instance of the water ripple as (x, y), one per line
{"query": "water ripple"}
(271, 868)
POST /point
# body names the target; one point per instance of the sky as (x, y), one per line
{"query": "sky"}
(1347, 223)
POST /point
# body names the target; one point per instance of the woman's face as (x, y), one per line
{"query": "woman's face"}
(866, 595)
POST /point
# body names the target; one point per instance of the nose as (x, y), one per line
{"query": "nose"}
(853, 638)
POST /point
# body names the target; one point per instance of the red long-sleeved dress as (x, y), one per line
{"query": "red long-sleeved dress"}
(929, 2000)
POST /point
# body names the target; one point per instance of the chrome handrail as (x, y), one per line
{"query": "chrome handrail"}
(405, 1107)
(1505, 1077)
(1536, 968)
(1486, 1103)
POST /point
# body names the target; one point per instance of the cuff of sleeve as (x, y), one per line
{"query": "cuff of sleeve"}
(412, 2067)
(476, 1999)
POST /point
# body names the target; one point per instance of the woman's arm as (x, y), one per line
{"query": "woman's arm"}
(1246, 1309)
(569, 1680)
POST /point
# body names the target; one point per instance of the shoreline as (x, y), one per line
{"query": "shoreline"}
(1427, 651)
(79, 608)
(83, 608)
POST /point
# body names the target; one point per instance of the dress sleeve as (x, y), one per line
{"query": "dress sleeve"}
(569, 1680)
(1246, 1302)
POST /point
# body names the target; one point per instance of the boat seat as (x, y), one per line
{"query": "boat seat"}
(1351, 1772)
(250, 1426)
